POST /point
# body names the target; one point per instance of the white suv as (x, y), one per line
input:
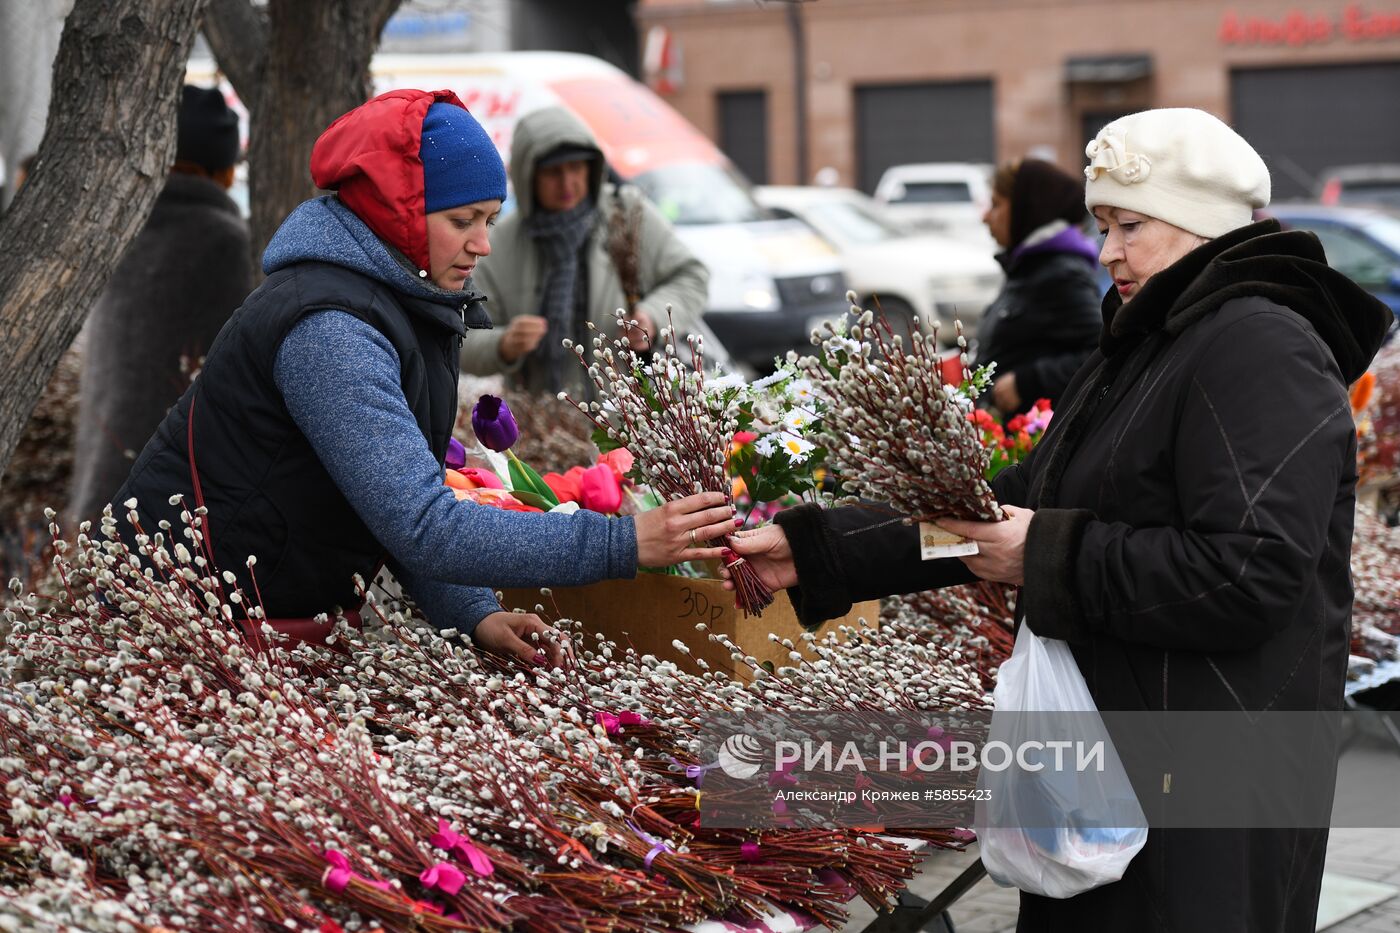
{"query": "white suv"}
(940, 197)
(934, 277)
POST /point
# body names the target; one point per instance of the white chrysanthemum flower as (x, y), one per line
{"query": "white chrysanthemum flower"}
(796, 447)
(766, 445)
(797, 421)
(802, 391)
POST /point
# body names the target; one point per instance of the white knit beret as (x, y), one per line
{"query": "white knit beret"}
(1181, 166)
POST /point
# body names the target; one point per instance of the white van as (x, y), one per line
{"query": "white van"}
(771, 280)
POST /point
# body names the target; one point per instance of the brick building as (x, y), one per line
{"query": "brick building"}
(1311, 84)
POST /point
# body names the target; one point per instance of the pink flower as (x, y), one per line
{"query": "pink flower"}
(495, 498)
(484, 479)
(620, 460)
(472, 478)
(600, 490)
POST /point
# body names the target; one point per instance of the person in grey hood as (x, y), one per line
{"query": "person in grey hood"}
(575, 251)
(1186, 522)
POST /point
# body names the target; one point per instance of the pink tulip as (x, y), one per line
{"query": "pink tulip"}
(620, 460)
(600, 490)
(484, 479)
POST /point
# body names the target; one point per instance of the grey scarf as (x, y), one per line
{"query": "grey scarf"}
(560, 236)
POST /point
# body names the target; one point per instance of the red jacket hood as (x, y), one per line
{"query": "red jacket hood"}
(369, 156)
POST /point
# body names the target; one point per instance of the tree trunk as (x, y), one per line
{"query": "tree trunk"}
(109, 143)
(314, 67)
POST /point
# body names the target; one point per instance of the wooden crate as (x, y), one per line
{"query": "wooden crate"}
(653, 610)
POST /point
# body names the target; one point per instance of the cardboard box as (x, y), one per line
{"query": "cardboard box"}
(650, 612)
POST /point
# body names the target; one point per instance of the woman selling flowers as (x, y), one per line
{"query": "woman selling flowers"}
(316, 432)
(1186, 522)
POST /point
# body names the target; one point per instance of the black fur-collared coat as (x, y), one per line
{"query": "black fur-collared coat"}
(1194, 501)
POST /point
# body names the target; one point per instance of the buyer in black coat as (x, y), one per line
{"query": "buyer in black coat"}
(184, 274)
(1186, 522)
(1045, 320)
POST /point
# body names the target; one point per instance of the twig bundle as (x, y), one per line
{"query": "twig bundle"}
(160, 772)
(897, 432)
(657, 409)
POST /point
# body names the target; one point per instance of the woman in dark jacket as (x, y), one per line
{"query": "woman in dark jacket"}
(1045, 321)
(1186, 522)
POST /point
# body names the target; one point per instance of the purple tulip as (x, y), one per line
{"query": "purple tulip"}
(456, 454)
(494, 424)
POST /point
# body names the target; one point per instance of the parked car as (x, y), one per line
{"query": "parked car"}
(1361, 243)
(1377, 185)
(931, 276)
(940, 197)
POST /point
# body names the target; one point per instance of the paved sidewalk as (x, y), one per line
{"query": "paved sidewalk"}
(1365, 854)
(1369, 854)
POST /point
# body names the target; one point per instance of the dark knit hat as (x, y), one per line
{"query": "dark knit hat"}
(208, 129)
(567, 152)
(460, 163)
(1043, 193)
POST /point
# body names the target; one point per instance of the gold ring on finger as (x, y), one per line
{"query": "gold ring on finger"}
(693, 542)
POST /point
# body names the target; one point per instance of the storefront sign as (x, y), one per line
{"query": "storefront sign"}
(1296, 28)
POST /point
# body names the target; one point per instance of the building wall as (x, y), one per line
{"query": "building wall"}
(1021, 45)
(604, 28)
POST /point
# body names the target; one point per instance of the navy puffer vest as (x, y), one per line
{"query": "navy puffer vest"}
(266, 490)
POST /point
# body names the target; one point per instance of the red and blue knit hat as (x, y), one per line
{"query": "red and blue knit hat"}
(404, 155)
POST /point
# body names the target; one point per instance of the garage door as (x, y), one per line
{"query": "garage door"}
(933, 122)
(1305, 120)
(743, 132)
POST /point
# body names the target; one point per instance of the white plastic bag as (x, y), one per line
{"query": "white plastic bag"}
(1054, 832)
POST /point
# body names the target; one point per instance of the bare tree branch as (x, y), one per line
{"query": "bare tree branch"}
(108, 146)
(238, 34)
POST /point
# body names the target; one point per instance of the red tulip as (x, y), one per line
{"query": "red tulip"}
(566, 488)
